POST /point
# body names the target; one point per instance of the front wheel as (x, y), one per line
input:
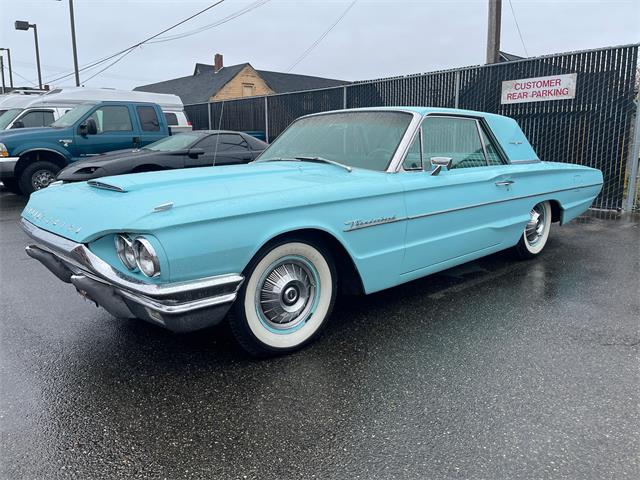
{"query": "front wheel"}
(287, 297)
(37, 175)
(536, 231)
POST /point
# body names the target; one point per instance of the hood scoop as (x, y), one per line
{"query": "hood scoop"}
(105, 186)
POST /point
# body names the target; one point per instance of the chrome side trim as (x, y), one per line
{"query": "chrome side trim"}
(448, 210)
(81, 257)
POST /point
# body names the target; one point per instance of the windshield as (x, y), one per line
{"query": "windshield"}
(357, 139)
(7, 117)
(173, 143)
(72, 116)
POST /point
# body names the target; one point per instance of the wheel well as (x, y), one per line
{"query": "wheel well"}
(149, 167)
(349, 280)
(39, 155)
(556, 210)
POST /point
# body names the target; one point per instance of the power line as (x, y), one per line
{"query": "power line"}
(21, 76)
(95, 63)
(222, 21)
(109, 66)
(513, 12)
(321, 37)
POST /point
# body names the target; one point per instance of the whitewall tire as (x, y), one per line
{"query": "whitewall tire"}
(287, 296)
(536, 231)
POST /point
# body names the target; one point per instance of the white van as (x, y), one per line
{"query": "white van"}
(22, 111)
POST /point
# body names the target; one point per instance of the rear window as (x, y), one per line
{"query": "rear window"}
(148, 119)
(172, 118)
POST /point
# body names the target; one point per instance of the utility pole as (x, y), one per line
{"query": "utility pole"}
(493, 31)
(73, 43)
(2, 69)
(10, 70)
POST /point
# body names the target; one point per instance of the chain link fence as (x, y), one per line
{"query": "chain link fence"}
(596, 128)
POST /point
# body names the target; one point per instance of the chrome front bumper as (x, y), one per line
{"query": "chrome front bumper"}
(180, 307)
(7, 166)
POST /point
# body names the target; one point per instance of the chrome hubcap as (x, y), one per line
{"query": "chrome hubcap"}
(286, 293)
(535, 226)
(42, 179)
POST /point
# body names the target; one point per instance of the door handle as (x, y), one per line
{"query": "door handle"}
(504, 183)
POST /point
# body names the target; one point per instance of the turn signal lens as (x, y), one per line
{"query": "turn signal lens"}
(124, 248)
(146, 257)
(3, 150)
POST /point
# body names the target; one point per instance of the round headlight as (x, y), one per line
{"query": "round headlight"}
(146, 257)
(124, 248)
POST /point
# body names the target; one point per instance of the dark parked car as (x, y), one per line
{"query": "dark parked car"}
(190, 149)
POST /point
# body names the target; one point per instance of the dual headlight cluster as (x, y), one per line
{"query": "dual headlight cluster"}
(138, 253)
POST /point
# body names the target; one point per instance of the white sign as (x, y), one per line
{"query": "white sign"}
(539, 89)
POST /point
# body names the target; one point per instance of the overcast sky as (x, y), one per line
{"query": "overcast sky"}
(377, 38)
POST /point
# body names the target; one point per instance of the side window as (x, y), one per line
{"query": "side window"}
(112, 118)
(413, 159)
(37, 118)
(172, 118)
(228, 142)
(456, 138)
(148, 119)
(493, 157)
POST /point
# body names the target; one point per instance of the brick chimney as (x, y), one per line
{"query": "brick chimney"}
(217, 62)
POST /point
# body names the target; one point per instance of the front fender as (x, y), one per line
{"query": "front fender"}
(227, 245)
(38, 146)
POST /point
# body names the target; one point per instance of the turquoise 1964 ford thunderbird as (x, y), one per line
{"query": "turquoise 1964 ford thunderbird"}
(354, 200)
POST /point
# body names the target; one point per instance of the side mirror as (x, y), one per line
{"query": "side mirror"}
(439, 162)
(17, 124)
(92, 128)
(195, 152)
(88, 128)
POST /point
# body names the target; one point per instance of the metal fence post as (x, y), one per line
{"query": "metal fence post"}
(266, 119)
(457, 94)
(633, 160)
(344, 97)
(209, 114)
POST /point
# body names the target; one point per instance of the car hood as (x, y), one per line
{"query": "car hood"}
(99, 160)
(120, 154)
(82, 212)
(16, 134)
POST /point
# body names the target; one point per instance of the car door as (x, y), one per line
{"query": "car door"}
(458, 213)
(115, 131)
(221, 149)
(149, 124)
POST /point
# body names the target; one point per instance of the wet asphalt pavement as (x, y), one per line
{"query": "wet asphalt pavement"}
(498, 369)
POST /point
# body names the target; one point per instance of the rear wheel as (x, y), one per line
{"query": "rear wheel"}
(11, 184)
(287, 297)
(37, 176)
(536, 231)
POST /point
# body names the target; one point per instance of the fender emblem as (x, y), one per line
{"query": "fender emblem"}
(357, 224)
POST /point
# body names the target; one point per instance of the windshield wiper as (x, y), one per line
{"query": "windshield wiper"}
(325, 160)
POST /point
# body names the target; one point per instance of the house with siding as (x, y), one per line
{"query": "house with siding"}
(217, 82)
